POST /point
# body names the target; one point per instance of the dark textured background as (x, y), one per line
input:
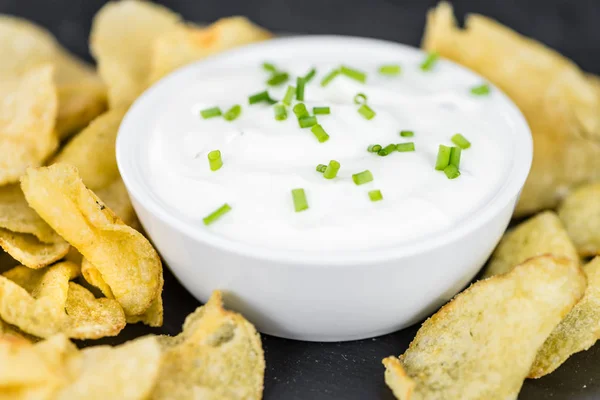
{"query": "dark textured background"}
(353, 370)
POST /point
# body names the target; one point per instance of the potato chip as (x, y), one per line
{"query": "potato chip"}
(188, 43)
(482, 344)
(127, 261)
(28, 107)
(580, 213)
(556, 97)
(25, 46)
(218, 355)
(30, 251)
(121, 41)
(116, 198)
(541, 234)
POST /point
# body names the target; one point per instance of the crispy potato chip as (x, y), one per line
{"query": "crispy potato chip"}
(577, 332)
(30, 251)
(541, 234)
(121, 41)
(218, 355)
(580, 212)
(482, 344)
(25, 46)
(127, 261)
(188, 43)
(556, 97)
(28, 107)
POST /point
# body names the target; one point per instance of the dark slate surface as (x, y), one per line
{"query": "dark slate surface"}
(353, 370)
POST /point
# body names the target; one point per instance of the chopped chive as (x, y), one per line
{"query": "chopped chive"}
(215, 215)
(233, 113)
(261, 97)
(289, 95)
(375, 195)
(299, 198)
(430, 61)
(481, 90)
(452, 171)
(332, 170)
(307, 122)
(300, 82)
(455, 156)
(321, 110)
(214, 160)
(354, 74)
(461, 141)
(407, 133)
(360, 98)
(443, 157)
(319, 133)
(300, 110)
(329, 77)
(362, 177)
(366, 112)
(404, 147)
(311, 74)
(321, 168)
(387, 150)
(391, 69)
(280, 112)
(211, 112)
(269, 67)
(278, 79)
(374, 148)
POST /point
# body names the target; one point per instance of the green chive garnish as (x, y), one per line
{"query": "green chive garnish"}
(375, 195)
(321, 110)
(443, 157)
(451, 171)
(455, 156)
(407, 133)
(366, 112)
(289, 96)
(319, 133)
(387, 150)
(362, 177)
(280, 112)
(261, 97)
(374, 148)
(214, 160)
(481, 90)
(360, 98)
(215, 215)
(461, 141)
(354, 74)
(300, 89)
(329, 77)
(391, 69)
(404, 147)
(332, 170)
(307, 122)
(233, 113)
(211, 112)
(321, 168)
(269, 67)
(300, 110)
(278, 79)
(300, 203)
(311, 74)
(430, 61)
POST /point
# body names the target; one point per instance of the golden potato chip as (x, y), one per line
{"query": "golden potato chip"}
(541, 234)
(580, 213)
(577, 332)
(218, 355)
(127, 261)
(188, 43)
(556, 97)
(25, 46)
(28, 107)
(121, 41)
(30, 251)
(482, 344)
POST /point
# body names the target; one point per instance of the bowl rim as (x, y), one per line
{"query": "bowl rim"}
(508, 190)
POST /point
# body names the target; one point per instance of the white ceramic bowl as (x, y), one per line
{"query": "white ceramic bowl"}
(320, 296)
